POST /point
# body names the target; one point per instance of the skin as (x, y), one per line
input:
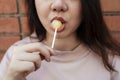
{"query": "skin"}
(70, 11)
(24, 55)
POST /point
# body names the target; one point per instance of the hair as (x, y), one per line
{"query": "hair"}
(92, 31)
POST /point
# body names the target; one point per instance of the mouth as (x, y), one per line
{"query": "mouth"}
(62, 21)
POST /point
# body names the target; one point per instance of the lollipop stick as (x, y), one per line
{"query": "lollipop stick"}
(53, 42)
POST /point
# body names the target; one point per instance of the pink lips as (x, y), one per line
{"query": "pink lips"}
(62, 21)
(58, 18)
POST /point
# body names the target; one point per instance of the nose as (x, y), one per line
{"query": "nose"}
(59, 5)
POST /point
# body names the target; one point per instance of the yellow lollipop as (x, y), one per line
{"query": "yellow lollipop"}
(56, 24)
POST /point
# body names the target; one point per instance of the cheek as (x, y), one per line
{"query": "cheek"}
(76, 16)
(75, 11)
(75, 6)
(42, 8)
(42, 11)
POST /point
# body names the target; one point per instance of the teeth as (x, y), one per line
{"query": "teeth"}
(56, 24)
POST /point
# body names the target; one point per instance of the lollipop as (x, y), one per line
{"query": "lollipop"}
(56, 25)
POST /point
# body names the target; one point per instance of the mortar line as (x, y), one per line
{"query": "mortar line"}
(12, 15)
(20, 19)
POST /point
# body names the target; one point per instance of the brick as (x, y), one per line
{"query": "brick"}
(110, 5)
(8, 6)
(25, 25)
(116, 37)
(6, 42)
(9, 25)
(113, 22)
(23, 6)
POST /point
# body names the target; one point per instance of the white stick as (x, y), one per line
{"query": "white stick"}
(53, 42)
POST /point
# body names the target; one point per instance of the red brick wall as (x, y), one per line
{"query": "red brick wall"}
(13, 21)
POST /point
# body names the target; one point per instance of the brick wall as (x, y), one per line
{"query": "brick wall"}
(13, 21)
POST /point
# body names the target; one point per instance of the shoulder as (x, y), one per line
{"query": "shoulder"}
(116, 66)
(116, 61)
(29, 39)
(26, 40)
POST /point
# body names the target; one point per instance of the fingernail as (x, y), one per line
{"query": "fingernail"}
(53, 53)
(48, 59)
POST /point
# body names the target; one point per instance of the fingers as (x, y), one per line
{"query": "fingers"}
(35, 58)
(44, 50)
(23, 66)
(33, 47)
(27, 58)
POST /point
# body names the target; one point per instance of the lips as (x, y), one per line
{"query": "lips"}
(62, 21)
(59, 18)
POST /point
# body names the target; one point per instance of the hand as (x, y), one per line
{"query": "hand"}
(25, 60)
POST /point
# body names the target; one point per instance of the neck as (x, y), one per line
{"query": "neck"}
(64, 44)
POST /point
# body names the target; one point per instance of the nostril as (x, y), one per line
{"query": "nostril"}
(58, 10)
(54, 9)
(62, 10)
(59, 5)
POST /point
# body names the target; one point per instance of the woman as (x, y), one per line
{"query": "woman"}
(83, 50)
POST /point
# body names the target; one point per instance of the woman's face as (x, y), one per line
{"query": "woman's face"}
(67, 11)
